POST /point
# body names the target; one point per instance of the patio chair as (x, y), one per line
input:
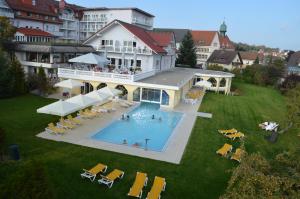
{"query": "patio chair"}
(140, 181)
(228, 131)
(92, 173)
(233, 136)
(111, 177)
(91, 113)
(74, 120)
(54, 129)
(63, 123)
(238, 154)
(158, 186)
(84, 115)
(224, 150)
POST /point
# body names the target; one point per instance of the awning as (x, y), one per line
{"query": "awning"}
(82, 101)
(70, 84)
(60, 108)
(91, 58)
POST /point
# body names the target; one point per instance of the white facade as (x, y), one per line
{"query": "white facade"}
(5, 11)
(204, 52)
(124, 49)
(70, 26)
(93, 20)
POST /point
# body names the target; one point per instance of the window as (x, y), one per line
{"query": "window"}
(46, 17)
(157, 62)
(134, 44)
(33, 2)
(29, 14)
(165, 98)
(138, 63)
(152, 95)
(136, 94)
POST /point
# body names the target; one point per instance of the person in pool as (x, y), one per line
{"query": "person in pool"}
(136, 144)
(159, 119)
(127, 117)
(123, 116)
(125, 142)
(153, 117)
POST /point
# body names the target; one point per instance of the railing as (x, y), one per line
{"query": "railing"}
(124, 49)
(7, 14)
(102, 76)
(142, 22)
(42, 64)
(68, 17)
(94, 19)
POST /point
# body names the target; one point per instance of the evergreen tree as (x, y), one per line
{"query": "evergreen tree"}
(7, 31)
(18, 78)
(42, 81)
(5, 76)
(256, 60)
(187, 51)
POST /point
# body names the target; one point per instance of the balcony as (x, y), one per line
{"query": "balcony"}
(142, 22)
(103, 19)
(68, 17)
(129, 50)
(102, 76)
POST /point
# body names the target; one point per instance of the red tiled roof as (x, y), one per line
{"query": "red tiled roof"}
(251, 55)
(162, 38)
(154, 42)
(34, 32)
(46, 7)
(225, 42)
(203, 38)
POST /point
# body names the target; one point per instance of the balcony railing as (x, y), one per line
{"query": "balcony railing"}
(130, 50)
(94, 19)
(142, 22)
(42, 64)
(102, 76)
(7, 14)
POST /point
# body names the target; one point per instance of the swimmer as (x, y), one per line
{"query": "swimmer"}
(153, 117)
(125, 141)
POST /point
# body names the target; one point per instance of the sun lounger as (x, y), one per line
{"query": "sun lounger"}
(84, 115)
(226, 148)
(158, 186)
(92, 173)
(63, 123)
(127, 102)
(233, 136)
(100, 110)
(54, 129)
(91, 113)
(238, 154)
(136, 190)
(111, 177)
(228, 131)
(74, 120)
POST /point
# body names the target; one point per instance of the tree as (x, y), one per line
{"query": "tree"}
(187, 51)
(293, 106)
(18, 78)
(5, 76)
(256, 61)
(43, 84)
(257, 177)
(289, 82)
(7, 31)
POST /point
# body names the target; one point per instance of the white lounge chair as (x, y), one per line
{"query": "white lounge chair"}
(122, 104)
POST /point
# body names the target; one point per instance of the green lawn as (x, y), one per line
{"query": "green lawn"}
(201, 174)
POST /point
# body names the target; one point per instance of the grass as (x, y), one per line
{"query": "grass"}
(201, 174)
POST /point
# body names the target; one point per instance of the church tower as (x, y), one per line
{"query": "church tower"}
(223, 29)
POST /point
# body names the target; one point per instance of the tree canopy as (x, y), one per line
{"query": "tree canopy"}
(187, 51)
(7, 31)
(293, 106)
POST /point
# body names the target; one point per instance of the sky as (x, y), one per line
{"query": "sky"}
(274, 23)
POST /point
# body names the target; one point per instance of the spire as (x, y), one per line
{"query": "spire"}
(223, 29)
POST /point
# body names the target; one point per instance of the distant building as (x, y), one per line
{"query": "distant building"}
(250, 57)
(179, 34)
(294, 64)
(227, 59)
(5, 10)
(94, 19)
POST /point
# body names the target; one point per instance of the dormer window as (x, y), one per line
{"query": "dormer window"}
(33, 2)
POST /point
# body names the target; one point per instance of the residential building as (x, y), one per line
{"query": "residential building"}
(179, 34)
(294, 64)
(49, 56)
(229, 60)
(5, 10)
(94, 19)
(70, 14)
(250, 57)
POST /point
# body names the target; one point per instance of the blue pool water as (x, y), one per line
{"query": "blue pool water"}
(141, 126)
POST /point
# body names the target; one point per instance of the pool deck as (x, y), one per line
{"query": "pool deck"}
(174, 149)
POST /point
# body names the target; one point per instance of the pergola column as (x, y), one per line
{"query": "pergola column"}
(218, 83)
(227, 86)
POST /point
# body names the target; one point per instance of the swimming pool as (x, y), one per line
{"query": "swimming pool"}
(141, 126)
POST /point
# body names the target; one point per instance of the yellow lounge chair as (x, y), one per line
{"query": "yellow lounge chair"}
(158, 186)
(84, 115)
(228, 131)
(235, 135)
(111, 177)
(238, 155)
(226, 148)
(92, 173)
(66, 124)
(74, 120)
(140, 181)
(54, 129)
(91, 113)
